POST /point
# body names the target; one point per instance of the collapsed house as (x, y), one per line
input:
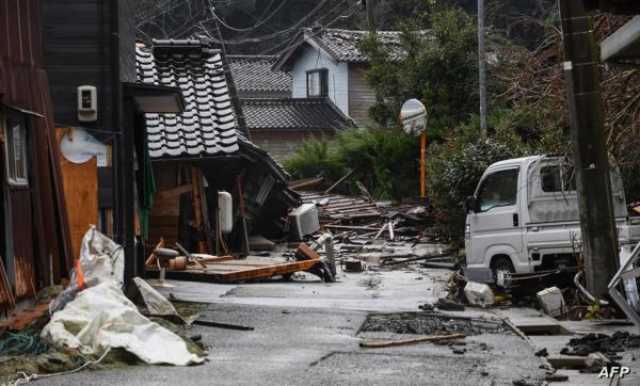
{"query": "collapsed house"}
(201, 156)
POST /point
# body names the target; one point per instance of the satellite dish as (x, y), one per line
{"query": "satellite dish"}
(413, 116)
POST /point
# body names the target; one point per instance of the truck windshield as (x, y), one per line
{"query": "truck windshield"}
(498, 189)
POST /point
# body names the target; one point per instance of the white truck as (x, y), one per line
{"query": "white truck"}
(523, 218)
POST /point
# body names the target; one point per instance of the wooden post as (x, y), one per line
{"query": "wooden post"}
(196, 185)
(243, 217)
(582, 77)
(423, 165)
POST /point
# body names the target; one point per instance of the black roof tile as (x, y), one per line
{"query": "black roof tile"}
(254, 74)
(208, 124)
(293, 114)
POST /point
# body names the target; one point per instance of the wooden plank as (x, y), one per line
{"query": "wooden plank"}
(404, 342)
(222, 275)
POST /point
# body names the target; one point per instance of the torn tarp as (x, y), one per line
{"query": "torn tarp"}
(100, 317)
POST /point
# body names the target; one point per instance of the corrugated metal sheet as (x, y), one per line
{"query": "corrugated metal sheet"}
(39, 226)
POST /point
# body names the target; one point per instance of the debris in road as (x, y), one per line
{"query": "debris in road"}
(100, 317)
(542, 353)
(525, 382)
(403, 342)
(610, 345)
(353, 266)
(552, 301)
(556, 377)
(479, 294)
(230, 326)
(449, 305)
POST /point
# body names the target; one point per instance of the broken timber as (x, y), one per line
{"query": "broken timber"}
(238, 270)
(402, 342)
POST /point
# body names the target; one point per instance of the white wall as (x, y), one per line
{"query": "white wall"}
(338, 77)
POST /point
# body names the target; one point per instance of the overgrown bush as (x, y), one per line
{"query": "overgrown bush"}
(456, 165)
(385, 161)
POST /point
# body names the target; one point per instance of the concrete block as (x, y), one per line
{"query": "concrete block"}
(479, 294)
(551, 301)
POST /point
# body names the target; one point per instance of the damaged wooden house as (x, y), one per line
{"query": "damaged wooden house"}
(34, 244)
(210, 189)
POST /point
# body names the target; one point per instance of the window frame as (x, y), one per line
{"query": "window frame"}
(323, 79)
(484, 180)
(567, 179)
(13, 180)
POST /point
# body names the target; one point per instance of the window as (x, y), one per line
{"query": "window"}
(15, 146)
(555, 179)
(498, 189)
(317, 83)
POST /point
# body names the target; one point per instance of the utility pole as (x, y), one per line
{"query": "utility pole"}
(482, 69)
(582, 77)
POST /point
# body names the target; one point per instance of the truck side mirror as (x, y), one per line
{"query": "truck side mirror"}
(471, 204)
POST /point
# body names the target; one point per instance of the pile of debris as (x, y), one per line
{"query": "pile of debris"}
(610, 345)
(378, 234)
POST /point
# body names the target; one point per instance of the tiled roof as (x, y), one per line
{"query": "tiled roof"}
(293, 114)
(253, 75)
(342, 45)
(208, 124)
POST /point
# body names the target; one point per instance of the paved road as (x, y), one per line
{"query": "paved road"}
(306, 334)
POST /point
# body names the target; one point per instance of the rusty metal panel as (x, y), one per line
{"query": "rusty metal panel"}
(22, 230)
(40, 227)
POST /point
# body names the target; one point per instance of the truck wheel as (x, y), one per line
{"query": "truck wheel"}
(501, 263)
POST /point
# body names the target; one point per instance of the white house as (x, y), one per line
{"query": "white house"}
(328, 63)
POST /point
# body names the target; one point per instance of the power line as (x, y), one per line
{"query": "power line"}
(247, 29)
(290, 43)
(264, 38)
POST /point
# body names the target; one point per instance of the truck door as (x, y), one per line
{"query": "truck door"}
(496, 225)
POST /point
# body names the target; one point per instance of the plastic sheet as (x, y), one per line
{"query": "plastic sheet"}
(99, 316)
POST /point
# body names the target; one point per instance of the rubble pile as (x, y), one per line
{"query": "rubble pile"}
(379, 235)
(611, 345)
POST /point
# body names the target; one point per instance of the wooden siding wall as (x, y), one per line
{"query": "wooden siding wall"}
(77, 51)
(361, 96)
(38, 210)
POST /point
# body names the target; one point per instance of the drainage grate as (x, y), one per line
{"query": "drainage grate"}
(432, 324)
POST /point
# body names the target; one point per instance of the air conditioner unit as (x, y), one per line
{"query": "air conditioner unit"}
(304, 220)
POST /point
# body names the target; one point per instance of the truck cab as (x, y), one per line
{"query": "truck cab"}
(523, 218)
